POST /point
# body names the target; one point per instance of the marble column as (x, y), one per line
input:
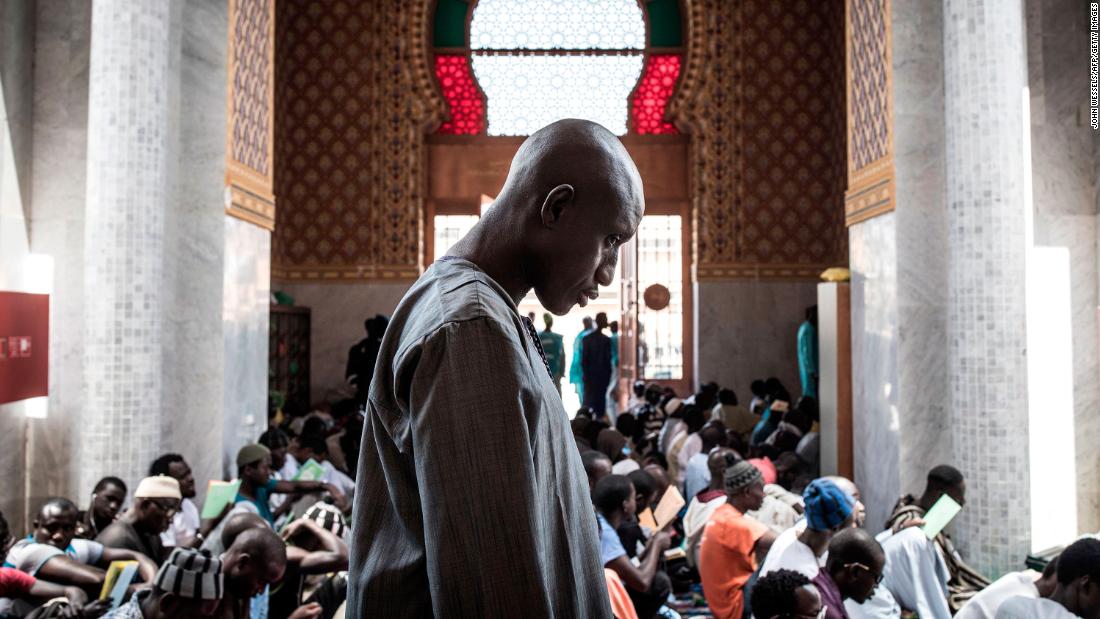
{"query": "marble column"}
(985, 80)
(129, 168)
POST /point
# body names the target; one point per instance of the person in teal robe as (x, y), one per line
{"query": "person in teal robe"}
(807, 353)
(576, 374)
(553, 346)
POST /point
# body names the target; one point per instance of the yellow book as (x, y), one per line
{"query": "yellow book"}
(119, 576)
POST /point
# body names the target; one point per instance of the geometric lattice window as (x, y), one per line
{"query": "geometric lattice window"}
(509, 67)
(528, 92)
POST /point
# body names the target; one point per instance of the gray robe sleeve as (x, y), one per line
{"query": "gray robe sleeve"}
(473, 409)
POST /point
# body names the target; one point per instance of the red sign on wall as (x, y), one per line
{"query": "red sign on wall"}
(24, 346)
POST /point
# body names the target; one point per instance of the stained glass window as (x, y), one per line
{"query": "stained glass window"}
(537, 61)
(557, 24)
(460, 91)
(647, 109)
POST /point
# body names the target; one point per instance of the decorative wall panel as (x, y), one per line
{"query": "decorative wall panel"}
(870, 111)
(356, 94)
(250, 115)
(763, 97)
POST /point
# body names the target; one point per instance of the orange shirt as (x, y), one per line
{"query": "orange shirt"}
(726, 559)
(621, 604)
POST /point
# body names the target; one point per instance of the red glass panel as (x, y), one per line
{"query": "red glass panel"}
(465, 101)
(647, 109)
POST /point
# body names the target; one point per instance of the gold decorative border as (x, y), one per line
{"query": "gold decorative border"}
(873, 197)
(870, 190)
(362, 273)
(244, 204)
(250, 193)
(753, 271)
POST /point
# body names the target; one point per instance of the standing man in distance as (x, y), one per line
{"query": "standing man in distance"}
(554, 348)
(576, 374)
(467, 401)
(596, 367)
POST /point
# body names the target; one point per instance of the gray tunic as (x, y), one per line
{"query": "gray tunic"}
(471, 498)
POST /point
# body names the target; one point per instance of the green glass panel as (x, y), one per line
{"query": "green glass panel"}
(450, 23)
(665, 23)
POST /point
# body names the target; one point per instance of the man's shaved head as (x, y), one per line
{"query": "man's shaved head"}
(572, 198)
(256, 559)
(239, 523)
(718, 461)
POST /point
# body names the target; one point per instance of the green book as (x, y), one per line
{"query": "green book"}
(218, 495)
(941, 514)
(310, 471)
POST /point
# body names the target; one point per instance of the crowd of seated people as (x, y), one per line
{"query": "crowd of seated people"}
(277, 549)
(762, 535)
(759, 533)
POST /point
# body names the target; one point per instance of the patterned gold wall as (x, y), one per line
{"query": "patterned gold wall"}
(870, 111)
(763, 98)
(354, 96)
(250, 99)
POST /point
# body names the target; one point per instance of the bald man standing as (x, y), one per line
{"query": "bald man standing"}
(472, 500)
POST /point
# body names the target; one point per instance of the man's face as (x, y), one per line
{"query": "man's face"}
(755, 495)
(630, 505)
(107, 502)
(182, 473)
(259, 472)
(585, 247)
(55, 526)
(278, 457)
(156, 515)
(861, 580)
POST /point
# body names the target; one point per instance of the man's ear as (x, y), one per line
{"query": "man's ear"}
(555, 202)
(169, 603)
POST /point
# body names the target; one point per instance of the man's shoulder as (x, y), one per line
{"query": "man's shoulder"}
(449, 295)
(116, 535)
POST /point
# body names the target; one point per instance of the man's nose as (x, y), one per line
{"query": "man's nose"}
(606, 273)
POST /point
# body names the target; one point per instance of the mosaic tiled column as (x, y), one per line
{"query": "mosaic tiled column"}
(985, 75)
(129, 108)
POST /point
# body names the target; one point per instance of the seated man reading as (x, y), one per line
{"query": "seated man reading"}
(52, 553)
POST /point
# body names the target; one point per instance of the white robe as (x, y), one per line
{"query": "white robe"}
(1033, 608)
(985, 603)
(915, 578)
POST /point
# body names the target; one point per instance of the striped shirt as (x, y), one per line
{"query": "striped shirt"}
(471, 499)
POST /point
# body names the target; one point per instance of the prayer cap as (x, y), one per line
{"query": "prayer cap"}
(329, 518)
(191, 574)
(252, 453)
(827, 506)
(741, 476)
(159, 487)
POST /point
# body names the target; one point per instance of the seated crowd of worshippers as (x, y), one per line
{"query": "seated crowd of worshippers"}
(278, 549)
(762, 536)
